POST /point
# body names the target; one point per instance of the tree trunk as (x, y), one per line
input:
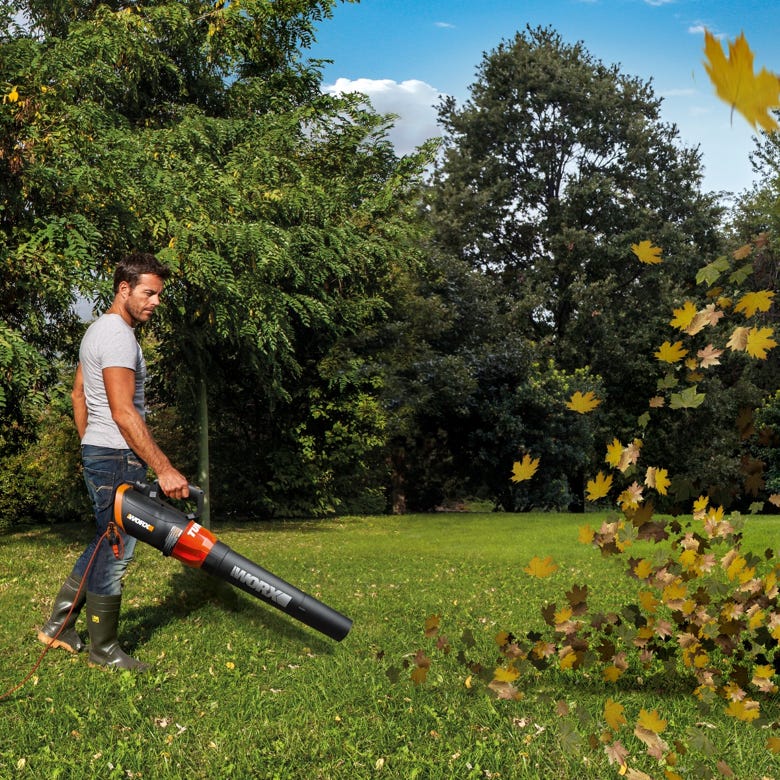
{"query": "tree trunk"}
(203, 452)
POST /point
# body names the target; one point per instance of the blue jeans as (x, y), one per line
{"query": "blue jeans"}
(105, 469)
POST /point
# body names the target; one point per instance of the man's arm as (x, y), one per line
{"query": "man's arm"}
(120, 389)
(79, 401)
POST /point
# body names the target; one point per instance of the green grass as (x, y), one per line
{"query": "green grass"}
(239, 690)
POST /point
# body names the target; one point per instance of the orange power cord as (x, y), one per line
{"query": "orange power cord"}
(117, 546)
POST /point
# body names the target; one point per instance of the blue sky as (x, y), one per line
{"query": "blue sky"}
(404, 54)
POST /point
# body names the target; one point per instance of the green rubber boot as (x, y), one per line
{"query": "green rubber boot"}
(102, 622)
(67, 605)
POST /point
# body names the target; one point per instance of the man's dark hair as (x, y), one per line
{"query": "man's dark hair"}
(134, 265)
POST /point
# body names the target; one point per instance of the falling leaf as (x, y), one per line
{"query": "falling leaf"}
(614, 453)
(651, 721)
(616, 753)
(506, 674)
(657, 402)
(683, 317)
(599, 487)
(709, 356)
(541, 567)
(658, 479)
(753, 302)
(774, 499)
(687, 399)
(753, 95)
(759, 342)
(631, 497)
(671, 353)
(630, 455)
(583, 403)
(738, 339)
(613, 714)
(746, 710)
(647, 253)
(525, 469)
(773, 744)
(585, 532)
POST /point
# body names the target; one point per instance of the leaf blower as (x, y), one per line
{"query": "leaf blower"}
(140, 512)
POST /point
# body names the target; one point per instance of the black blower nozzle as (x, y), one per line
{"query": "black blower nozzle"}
(140, 513)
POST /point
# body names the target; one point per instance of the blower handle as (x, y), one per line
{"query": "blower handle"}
(155, 492)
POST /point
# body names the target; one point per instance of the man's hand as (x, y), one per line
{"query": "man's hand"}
(173, 483)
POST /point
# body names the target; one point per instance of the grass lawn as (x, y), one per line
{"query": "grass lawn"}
(239, 690)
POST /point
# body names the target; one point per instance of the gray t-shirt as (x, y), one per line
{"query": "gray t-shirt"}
(108, 343)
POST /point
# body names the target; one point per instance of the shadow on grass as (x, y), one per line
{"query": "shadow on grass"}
(192, 591)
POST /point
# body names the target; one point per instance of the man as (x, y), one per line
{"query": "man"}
(116, 447)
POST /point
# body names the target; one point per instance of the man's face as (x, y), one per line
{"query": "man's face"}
(144, 298)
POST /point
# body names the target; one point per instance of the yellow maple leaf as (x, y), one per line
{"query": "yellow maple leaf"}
(647, 253)
(541, 567)
(746, 710)
(759, 342)
(525, 469)
(506, 674)
(612, 673)
(585, 534)
(753, 302)
(658, 479)
(657, 402)
(671, 353)
(651, 721)
(773, 744)
(631, 497)
(599, 487)
(614, 453)
(583, 403)
(683, 317)
(753, 95)
(568, 660)
(613, 714)
(643, 569)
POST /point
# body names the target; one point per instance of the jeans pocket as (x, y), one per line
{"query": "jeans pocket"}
(100, 484)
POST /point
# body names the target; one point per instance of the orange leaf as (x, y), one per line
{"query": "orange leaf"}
(525, 469)
(647, 253)
(753, 95)
(538, 567)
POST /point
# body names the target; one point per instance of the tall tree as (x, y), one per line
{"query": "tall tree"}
(196, 129)
(554, 167)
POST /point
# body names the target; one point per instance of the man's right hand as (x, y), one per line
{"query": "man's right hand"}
(173, 483)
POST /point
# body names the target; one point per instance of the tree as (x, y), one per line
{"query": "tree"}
(196, 130)
(553, 169)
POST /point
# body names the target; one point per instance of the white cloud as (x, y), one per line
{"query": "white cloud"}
(413, 101)
(446, 25)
